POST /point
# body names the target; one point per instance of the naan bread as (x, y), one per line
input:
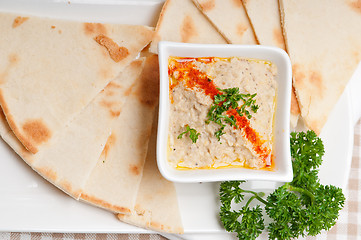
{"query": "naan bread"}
(51, 69)
(230, 19)
(181, 21)
(323, 39)
(266, 22)
(68, 159)
(156, 206)
(114, 182)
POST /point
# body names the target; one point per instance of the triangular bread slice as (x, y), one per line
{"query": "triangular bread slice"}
(181, 21)
(266, 21)
(114, 182)
(51, 69)
(323, 39)
(156, 206)
(230, 18)
(68, 159)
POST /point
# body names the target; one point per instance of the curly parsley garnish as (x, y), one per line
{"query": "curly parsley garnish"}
(299, 208)
(193, 134)
(229, 100)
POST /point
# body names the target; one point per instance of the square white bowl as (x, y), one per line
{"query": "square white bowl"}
(282, 171)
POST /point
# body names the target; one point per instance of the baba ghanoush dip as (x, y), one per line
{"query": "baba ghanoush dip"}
(221, 112)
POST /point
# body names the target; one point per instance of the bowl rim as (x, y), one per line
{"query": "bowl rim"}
(166, 49)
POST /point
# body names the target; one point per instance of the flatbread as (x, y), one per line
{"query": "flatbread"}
(266, 22)
(181, 21)
(114, 182)
(68, 159)
(51, 69)
(323, 39)
(230, 18)
(156, 205)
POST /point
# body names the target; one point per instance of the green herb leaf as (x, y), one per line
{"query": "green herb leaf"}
(229, 99)
(299, 208)
(193, 134)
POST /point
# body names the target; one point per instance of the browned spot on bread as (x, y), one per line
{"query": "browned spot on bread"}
(2, 116)
(317, 83)
(356, 56)
(238, 3)
(36, 130)
(278, 38)
(67, 187)
(295, 109)
(147, 89)
(116, 53)
(128, 91)
(47, 173)
(18, 21)
(298, 75)
(60, 32)
(23, 152)
(208, 5)
(112, 106)
(187, 30)
(53, 27)
(101, 203)
(105, 73)
(24, 140)
(94, 28)
(13, 59)
(113, 84)
(110, 143)
(107, 104)
(241, 29)
(156, 225)
(114, 113)
(110, 89)
(356, 5)
(134, 169)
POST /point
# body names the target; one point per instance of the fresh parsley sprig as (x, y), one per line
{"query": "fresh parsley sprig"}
(299, 208)
(193, 134)
(229, 99)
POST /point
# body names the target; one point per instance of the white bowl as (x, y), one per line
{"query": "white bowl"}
(282, 171)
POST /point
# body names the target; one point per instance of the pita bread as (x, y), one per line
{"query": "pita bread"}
(323, 39)
(114, 182)
(51, 69)
(68, 159)
(156, 205)
(266, 22)
(295, 109)
(181, 21)
(230, 18)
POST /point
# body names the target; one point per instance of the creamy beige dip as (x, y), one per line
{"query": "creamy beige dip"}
(189, 105)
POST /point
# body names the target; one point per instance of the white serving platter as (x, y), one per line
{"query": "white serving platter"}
(29, 203)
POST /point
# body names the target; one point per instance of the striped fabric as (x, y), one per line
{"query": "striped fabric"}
(78, 236)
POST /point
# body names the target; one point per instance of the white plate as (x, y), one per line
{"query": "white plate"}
(29, 203)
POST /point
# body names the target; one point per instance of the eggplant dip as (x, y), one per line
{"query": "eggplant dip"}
(221, 112)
